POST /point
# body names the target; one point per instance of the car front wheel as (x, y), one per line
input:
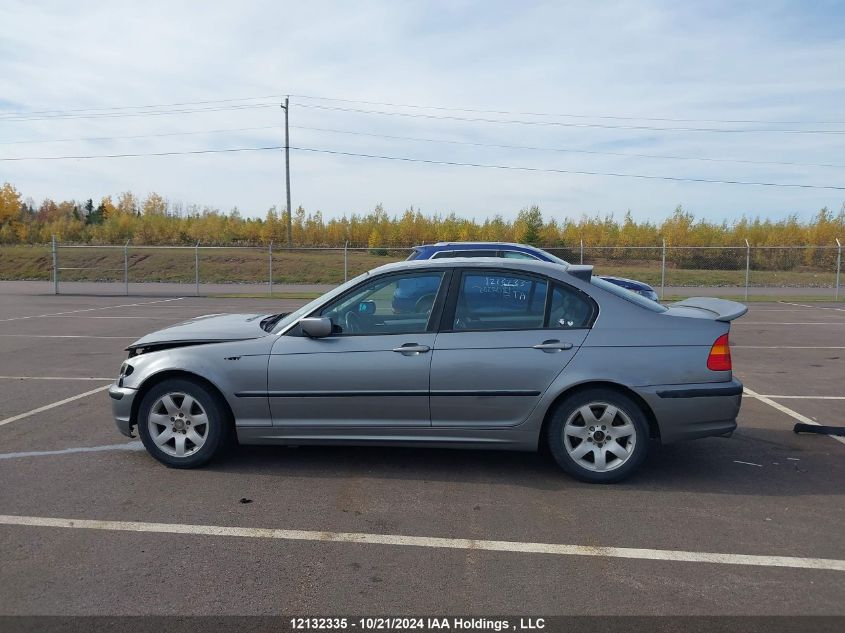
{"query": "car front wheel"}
(182, 424)
(598, 436)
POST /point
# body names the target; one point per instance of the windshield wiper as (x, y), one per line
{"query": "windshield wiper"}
(268, 323)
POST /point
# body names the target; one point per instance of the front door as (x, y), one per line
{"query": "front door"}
(507, 337)
(373, 370)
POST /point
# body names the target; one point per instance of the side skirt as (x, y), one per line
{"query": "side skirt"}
(504, 439)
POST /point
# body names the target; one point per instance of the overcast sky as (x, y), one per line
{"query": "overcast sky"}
(771, 63)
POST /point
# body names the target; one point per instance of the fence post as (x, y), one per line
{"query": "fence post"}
(663, 273)
(345, 260)
(838, 268)
(197, 267)
(55, 267)
(126, 268)
(582, 251)
(271, 268)
(747, 266)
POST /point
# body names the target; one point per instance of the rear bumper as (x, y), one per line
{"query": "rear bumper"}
(687, 412)
(121, 406)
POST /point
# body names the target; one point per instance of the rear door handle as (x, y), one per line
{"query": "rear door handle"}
(412, 349)
(552, 346)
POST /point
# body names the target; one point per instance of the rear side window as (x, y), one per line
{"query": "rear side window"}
(500, 301)
(569, 309)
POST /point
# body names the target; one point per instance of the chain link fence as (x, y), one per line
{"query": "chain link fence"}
(671, 270)
(185, 269)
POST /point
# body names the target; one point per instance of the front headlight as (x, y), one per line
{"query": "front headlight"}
(125, 370)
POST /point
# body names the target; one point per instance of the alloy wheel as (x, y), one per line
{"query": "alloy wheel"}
(599, 436)
(178, 424)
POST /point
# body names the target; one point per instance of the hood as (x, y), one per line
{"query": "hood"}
(211, 328)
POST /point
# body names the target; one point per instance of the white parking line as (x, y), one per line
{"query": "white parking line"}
(794, 414)
(85, 316)
(128, 446)
(779, 397)
(54, 378)
(52, 405)
(801, 305)
(124, 305)
(66, 336)
(788, 323)
(556, 549)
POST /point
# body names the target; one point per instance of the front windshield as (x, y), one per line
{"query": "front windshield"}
(628, 295)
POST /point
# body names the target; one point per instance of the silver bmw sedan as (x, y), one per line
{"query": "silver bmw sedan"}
(466, 353)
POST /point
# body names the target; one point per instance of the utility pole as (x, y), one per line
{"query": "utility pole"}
(286, 108)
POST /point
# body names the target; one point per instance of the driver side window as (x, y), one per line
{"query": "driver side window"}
(397, 304)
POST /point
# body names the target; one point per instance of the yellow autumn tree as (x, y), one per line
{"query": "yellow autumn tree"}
(10, 203)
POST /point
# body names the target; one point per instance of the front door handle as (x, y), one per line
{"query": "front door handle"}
(552, 345)
(412, 349)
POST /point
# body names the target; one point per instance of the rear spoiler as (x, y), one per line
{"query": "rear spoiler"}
(582, 272)
(723, 309)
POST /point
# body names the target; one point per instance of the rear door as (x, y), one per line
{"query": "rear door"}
(505, 336)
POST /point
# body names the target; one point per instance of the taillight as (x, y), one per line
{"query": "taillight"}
(720, 355)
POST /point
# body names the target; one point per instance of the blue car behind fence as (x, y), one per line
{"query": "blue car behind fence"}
(416, 295)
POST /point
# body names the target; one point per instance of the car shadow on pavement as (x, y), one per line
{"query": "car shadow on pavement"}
(751, 462)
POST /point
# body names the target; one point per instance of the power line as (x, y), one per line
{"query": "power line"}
(14, 114)
(138, 136)
(568, 171)
(139, 154)
(565, 115)
(138, 107)
(435, 162)
(110, 115)
(431, 140)
(419, 115)
(569, 150)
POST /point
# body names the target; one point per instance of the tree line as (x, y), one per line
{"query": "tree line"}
(153, 220)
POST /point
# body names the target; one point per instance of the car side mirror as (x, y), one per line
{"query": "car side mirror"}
(316, 327)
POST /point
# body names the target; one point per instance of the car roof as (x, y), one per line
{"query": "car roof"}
(528, 265)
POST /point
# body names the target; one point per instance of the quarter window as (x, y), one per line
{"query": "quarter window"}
(569, 309)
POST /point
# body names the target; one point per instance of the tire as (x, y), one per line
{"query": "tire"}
(183, 416)
(613, 442)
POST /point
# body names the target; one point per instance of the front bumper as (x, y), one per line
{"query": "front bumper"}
(687, 412)
(121, 406)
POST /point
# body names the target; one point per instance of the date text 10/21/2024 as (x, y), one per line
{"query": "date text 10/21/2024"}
(416, 623)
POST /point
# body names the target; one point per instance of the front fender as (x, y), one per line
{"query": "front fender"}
(229, 367)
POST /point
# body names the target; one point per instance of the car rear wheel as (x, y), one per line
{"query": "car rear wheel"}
(598, 436)
(182, 424)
